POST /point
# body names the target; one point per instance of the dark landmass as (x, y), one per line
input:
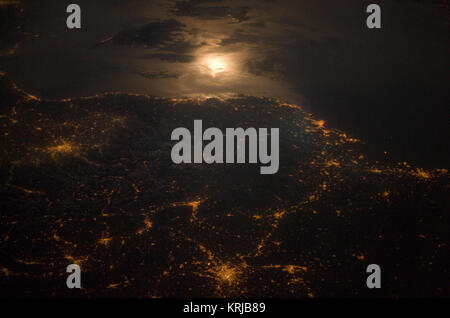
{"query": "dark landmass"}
(90, 181)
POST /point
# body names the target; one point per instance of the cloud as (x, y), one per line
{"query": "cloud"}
(171, 39)
(194, 8)
(5, 3)
(240, 36)
(152, 34)
(160, 74)
(170, 57)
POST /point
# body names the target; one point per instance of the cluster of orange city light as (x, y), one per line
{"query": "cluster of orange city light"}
(228, 275)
